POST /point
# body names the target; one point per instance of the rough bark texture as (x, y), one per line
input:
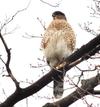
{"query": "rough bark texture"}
(86, 89)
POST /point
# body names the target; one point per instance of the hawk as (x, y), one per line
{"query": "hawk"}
(58, 43)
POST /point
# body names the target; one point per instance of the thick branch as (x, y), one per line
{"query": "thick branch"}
(86, 89)
(83, 53)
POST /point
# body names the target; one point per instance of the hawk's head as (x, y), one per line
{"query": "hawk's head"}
(58, 15)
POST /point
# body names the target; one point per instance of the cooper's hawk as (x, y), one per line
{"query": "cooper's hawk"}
(58, 43)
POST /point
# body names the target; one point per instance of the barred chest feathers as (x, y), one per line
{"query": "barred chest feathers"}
(57, 49)
(59, 42)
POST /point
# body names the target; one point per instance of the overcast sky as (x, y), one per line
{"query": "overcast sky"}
(26, 50)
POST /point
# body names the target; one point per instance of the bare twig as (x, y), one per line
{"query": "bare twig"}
(95, 9)
(8, 51)
(2, 60)
(12, 18)
(87, 28)
(52, 5)
(97, 5)
(8, 61)
(41, 22)
(27, 102)
(95, 68)
(4, 92)
(87, 88)
(10, 32)
(94, 13)
(30, 36)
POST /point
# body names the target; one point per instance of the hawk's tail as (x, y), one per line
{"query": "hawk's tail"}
(58, 86)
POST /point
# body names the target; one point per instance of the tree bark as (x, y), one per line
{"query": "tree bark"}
(86, 89)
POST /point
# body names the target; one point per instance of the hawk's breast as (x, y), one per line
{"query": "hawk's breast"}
(58, 43)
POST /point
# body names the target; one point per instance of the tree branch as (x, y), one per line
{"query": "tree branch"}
(11, 19)
(81, 54)
(86, 89)
(8, 61)
(85, 49)
(56, 5)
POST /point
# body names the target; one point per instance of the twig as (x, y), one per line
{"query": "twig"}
(10, 19)
(87, 28)
(4, 92)
(10, 32)
(29, 36)
(86, 69)
(56, 5)
(86, 89)
(8, 61)
(2, 60)
(8, 51)
(95, 10)
(97, 5)
(43, 25)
